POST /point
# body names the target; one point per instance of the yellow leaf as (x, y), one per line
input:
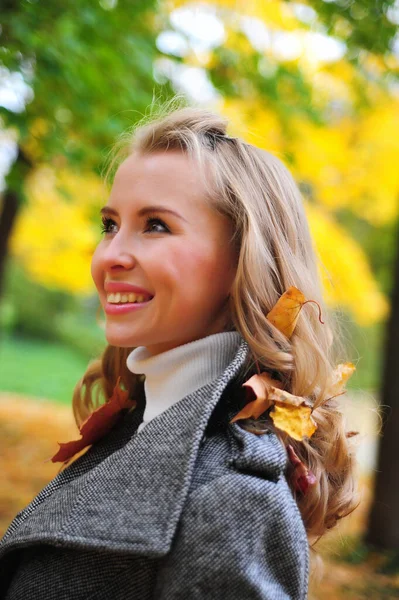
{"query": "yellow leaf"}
(292, 414)
(340, 376)
(294, 420)
(285, 312)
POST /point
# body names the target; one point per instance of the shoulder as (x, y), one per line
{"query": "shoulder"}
(240, 469)
(240, 525)
(242, 477)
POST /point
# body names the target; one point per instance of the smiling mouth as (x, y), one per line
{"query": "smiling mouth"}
(131, 298)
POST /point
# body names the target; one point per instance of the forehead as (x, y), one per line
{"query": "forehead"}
(170, 174)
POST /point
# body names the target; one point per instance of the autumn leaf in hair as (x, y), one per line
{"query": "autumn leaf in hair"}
(258, 386)
(302, 477)
(285, 312)
(340, 376)
(96, 425)
(291, 414)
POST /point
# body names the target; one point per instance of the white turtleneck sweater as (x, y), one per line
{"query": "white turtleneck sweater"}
(172, 375)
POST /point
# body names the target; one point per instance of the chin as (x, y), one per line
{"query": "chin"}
(121, 340)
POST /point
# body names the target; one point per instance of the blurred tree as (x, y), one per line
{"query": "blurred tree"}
(89, 65)
(383, 521)
(55, 236)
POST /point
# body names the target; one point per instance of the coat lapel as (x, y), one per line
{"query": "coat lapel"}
(129, 499)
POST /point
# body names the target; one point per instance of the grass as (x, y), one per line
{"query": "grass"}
(39, 369)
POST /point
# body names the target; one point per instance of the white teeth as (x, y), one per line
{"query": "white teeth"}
(124, 298)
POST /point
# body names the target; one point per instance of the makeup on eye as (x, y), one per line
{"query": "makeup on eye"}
(150, 219)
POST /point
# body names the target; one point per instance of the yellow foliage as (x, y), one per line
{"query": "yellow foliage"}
(352, 163)
(254, 123)
(323, 158)
(53, 237)
(344, 269)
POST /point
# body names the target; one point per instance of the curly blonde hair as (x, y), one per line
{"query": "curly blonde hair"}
(275, 251)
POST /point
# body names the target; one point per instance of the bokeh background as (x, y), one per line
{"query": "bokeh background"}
(314, 82)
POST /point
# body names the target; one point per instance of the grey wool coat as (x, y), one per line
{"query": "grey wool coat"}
(190, 507)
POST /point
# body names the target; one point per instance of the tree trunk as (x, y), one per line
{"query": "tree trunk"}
(11, 202)
(383, 523)
(7, 219)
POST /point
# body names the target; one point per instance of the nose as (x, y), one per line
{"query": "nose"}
(118, 255)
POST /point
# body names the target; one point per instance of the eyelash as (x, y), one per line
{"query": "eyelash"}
(106, 221)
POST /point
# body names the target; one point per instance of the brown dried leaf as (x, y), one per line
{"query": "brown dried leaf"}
(257, 386)
(282, 396)
(96, 425)
(350, 434)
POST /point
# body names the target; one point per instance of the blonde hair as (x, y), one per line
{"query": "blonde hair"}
(275, 251)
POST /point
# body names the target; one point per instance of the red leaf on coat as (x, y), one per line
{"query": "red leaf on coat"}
(96, 425)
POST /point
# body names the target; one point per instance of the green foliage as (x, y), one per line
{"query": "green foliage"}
(379, 243)
(361, 24)
(79, 332)
(35, 307)
(390, 566)
(238, 75)
(90, 69)
(32, 310)
(365, 350)
(352, 550)
(39, 369)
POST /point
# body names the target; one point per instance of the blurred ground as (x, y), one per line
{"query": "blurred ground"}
(30, 430)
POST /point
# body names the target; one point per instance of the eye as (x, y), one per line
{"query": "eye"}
(155, 221)
(107, 223)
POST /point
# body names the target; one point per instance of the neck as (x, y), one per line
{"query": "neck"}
(175, 373)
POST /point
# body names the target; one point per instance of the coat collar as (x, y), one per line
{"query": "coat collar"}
(127, 498)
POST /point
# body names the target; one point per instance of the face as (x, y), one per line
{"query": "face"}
(179, 253)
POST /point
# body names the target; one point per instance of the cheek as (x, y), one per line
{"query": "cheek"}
(198, 270)
(94, 268)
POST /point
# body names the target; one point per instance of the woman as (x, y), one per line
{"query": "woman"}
(203, 233)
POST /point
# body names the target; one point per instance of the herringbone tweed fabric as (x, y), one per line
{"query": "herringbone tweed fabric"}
(191, 507)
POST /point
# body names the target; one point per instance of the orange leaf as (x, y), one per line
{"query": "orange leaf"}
(96, 425)
(285, 312)
(257, 385)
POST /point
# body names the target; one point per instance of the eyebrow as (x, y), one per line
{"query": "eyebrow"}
(143, 211)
